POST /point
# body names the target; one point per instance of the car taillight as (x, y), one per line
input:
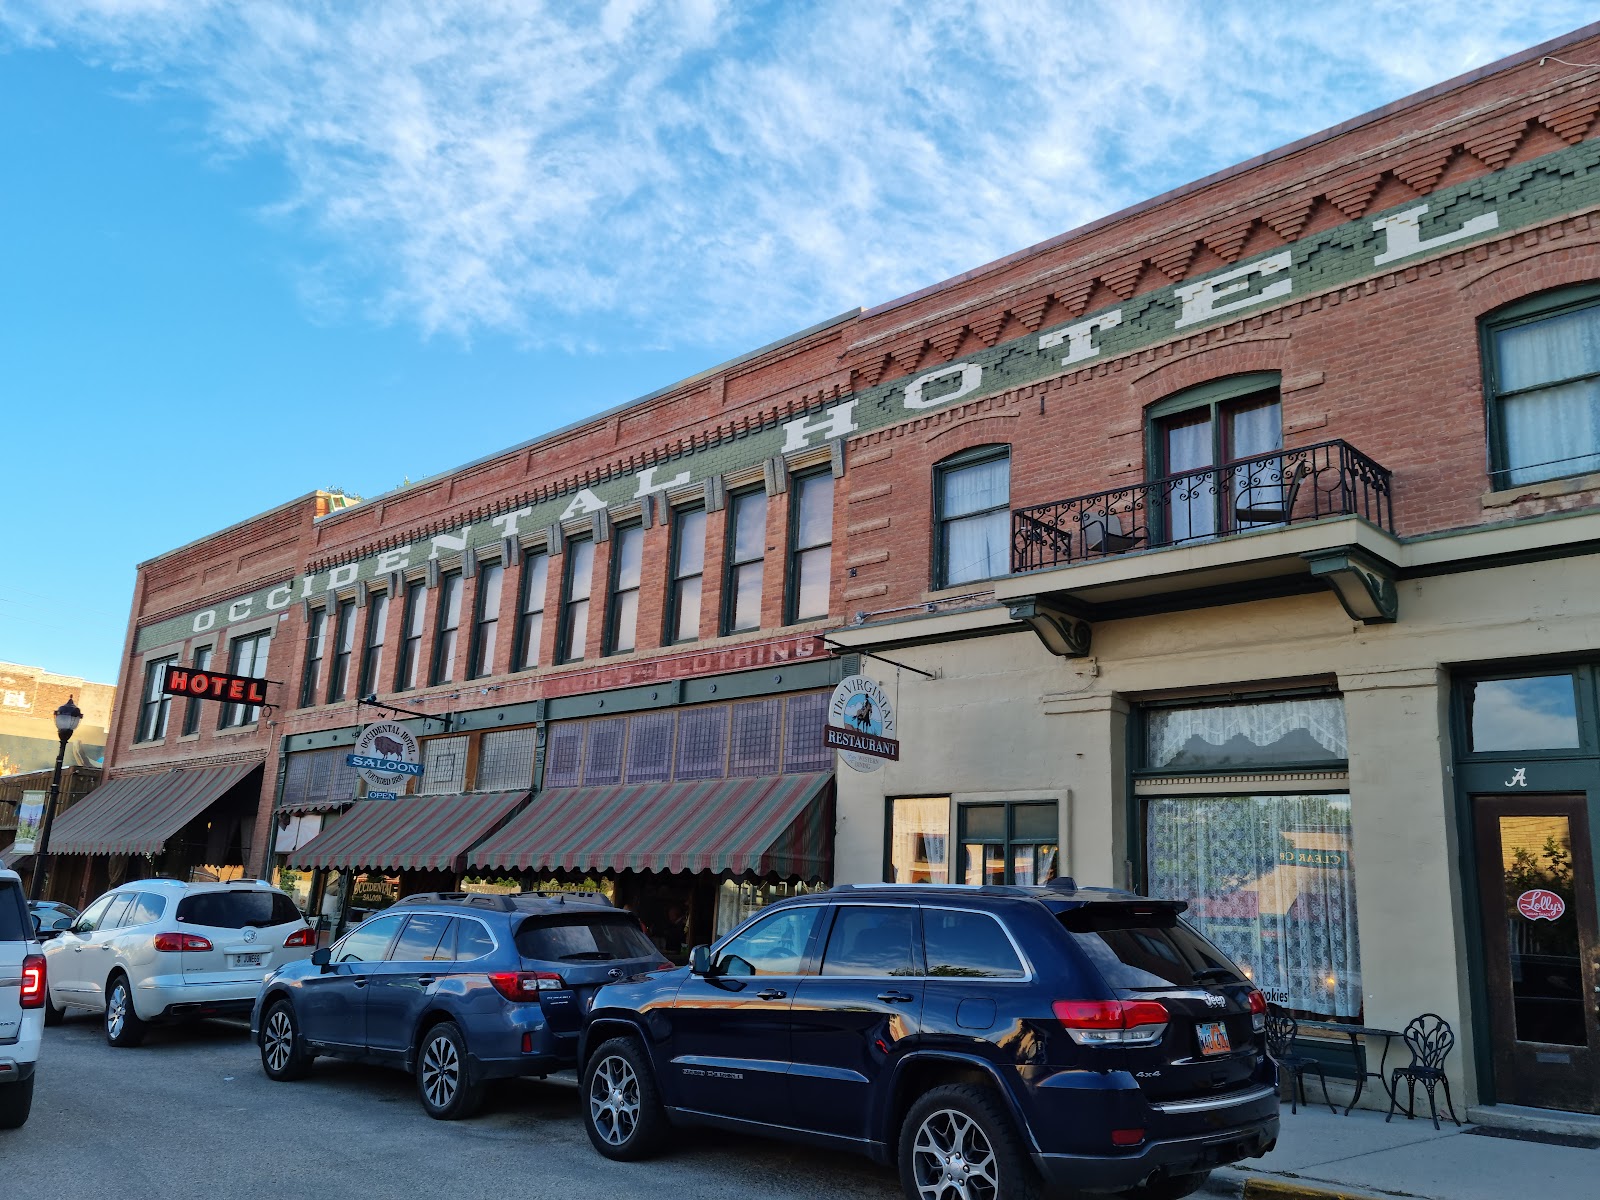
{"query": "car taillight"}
(171, 943)
(1126, 1137)
(1258, 1011)
(525, 985)
(33, 981)
(1112, 1022)
(300, 937)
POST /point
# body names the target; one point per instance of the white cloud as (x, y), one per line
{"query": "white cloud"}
(715, 171)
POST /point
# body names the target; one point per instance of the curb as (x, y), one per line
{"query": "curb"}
(1258, 1187)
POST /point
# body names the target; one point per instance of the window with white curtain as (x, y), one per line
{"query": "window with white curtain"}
(1544, 378)
(973, 505)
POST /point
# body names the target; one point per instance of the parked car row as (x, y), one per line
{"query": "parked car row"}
(993, 1042)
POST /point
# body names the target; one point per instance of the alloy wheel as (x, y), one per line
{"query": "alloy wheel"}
(441, 1072)
(614, 1100)
(117, 1011)
(279, 1040)
(953, 1160)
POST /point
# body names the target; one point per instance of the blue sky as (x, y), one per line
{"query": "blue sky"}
(254, 249)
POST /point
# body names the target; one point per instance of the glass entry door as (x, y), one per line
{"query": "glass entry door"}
(1536, 884)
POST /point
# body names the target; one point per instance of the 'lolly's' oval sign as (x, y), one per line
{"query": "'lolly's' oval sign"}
(1540, 905)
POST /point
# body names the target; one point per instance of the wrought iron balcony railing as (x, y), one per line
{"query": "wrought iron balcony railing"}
(1281, 488)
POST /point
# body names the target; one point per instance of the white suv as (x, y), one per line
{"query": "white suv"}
(21, 1003)
(163, 950)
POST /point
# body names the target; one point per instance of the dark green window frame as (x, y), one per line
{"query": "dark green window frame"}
(676, 581)
(975, 457)
(316, 652)
(1528, 311)
(569, 603)
(485, 619)
(1585, 678)
(201, 661)
(615, 594)
(796, 552)
(344, 644)
(1212, 394)
(407, 668)
(733, 565)
(956, 859)
(530, 608)
(446, 637)
(155, 705)
(247, 655)
(372, 644)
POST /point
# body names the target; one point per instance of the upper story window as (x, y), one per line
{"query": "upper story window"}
(416, 608)
(1236, 420)
(316, 649)
(444, 636)
(153, 709)
(578, 582)
(530, 611)
(810, 546)
(972, 510)
(487, 624)
(246, 656)
(1542, 359)
(191, 713)
(747, 549)
(344, 644)
(688, 572)
(627, 557)
(372, 650)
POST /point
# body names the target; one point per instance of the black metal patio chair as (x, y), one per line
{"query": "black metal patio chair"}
(1431, 1039)
(1282, 1030)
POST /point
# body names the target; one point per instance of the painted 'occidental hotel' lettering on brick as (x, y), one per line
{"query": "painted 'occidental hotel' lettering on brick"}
(1449, 219)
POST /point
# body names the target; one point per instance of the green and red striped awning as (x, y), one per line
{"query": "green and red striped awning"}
(413, 833)
(136, 814)
(764, 825)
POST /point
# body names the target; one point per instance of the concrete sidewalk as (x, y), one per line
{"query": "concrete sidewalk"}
(1321, 1155)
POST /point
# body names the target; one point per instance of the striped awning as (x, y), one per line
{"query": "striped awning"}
(413, 833)
(764, 825)
(9, 857)
(136, 814)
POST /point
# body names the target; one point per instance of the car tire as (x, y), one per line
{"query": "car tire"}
(444, 1077)
(123, 1027)
(52, 1014)
(284, 1056)
(1169, 1187)
(622, 1109)
(16, 1101)
(964, 1135)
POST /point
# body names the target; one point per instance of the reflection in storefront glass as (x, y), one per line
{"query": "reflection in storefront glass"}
(1269, 879)
(1541, 933)
(737, 900)
(1537, 712)
(919, 839)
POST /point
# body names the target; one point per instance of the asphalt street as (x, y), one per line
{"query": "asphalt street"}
(190, 1114)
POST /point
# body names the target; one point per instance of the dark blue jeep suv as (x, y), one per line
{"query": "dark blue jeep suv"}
(994, 1042)
(455, 987)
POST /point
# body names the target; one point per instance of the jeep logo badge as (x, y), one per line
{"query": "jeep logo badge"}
(1215, 1001)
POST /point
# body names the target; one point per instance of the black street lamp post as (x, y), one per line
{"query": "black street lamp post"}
(67, 718)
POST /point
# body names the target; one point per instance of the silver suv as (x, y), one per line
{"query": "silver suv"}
(22, 989)
(164, 950)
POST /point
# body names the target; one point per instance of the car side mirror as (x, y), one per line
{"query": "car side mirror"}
(700, 960)
(321, 956)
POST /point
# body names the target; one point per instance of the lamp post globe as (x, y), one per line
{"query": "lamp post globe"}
(67, 718)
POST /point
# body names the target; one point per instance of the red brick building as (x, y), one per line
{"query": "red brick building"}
(1240, 545)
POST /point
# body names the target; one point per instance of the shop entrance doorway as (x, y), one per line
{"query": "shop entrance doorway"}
(1541, 946)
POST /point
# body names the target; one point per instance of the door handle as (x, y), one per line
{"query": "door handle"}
(770, 994)
(358, 983)
(425, 980)
(895, 997)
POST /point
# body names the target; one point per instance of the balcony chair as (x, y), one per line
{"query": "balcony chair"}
(1282, 1029)
(1431, 1039)
(1102, 533)
(1271, 503)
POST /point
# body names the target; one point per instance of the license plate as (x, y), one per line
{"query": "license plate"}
(254, 960)
(1213, 1037)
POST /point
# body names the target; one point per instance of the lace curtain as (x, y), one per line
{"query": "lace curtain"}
(1269, 733)
(1555, 430)
(977, 523)
(1270, 881)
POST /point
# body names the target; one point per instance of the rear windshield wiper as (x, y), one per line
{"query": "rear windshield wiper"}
(588, 955)
(1218, 973)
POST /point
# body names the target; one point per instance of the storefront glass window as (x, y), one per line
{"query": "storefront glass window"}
(919, 838)
(1275, 733)
(1536, 712)
(1009, 843)
(736, 900)
(505, 760)
(444, 766)
(1269, 880)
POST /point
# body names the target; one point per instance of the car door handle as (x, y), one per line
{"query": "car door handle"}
(358, 983)
(770, 994)
(895, 997)
(425, 980)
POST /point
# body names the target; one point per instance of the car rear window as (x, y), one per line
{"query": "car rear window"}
(254, 909)
(968, 945)
(576, 938)
(14, 923)
(1136, 947)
